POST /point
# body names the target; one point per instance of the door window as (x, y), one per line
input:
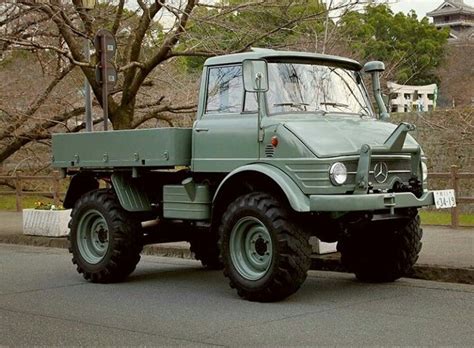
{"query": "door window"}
(225, 90)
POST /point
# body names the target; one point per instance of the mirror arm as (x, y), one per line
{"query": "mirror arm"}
(261, 133)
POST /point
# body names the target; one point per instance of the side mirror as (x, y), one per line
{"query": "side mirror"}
(255, 74)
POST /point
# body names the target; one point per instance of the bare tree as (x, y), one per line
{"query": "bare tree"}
(152, 38)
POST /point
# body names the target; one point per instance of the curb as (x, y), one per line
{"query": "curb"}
(328, 262)
(332, 262)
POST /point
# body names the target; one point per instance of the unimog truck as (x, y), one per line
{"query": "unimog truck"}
(285, 146)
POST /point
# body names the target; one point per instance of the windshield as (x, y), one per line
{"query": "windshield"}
(315, 88)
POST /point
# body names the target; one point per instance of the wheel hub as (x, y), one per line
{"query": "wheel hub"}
(251, 248)
(102, 235)
(92, 237)
(261, 246)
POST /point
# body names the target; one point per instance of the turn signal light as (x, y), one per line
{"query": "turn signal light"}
(275, 141)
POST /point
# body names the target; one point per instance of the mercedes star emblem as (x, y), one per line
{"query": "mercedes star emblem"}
(381, 172)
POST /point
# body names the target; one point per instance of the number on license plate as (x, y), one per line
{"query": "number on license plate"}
(444, 199)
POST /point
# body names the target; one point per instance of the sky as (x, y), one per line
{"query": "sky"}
(421, 7)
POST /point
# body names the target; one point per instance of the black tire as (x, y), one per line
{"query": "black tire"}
(205, 249)
(289, 259)
(377, 255)
(123, 239)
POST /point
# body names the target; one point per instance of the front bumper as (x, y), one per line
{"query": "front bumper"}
(367, 202)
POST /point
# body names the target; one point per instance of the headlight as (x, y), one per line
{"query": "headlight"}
(338, 173)
(424, 171)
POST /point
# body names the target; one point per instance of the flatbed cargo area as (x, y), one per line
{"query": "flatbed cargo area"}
(159, 147)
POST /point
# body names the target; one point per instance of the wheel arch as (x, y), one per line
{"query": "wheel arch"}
(259, 177)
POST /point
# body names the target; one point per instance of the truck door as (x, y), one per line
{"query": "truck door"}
(225, 135)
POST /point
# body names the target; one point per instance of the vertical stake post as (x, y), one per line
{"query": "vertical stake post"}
(455, 185)
(18, 188)
(56, 188)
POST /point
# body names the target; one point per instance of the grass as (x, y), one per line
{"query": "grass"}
(444, 218)
(9, 202)
(427, 217)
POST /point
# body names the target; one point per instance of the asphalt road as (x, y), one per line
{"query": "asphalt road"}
(43, 301)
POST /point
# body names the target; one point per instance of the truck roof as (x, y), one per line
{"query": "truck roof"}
(273, 55)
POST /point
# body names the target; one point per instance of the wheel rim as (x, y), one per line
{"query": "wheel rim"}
(251, 248)
(93, 237)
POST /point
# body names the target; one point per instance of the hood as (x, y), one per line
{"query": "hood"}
(335, 136)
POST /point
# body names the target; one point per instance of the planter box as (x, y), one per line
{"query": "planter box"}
(322, 247)
(49, 223)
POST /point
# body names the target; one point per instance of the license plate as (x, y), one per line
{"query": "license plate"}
(444, 199)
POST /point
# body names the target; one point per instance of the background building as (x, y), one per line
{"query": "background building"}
(456, 15)
(405, 98)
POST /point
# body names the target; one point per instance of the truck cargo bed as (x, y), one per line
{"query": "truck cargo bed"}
(157, 147)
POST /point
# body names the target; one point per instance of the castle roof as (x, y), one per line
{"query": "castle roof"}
(451, 7)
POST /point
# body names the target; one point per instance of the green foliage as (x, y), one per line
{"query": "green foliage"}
(272, 24)
(413, 47)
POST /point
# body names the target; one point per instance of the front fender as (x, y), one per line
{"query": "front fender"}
(297, 199)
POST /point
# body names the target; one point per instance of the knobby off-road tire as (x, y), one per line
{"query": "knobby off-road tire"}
(265, 256)
(105, 240)
(382, 255)
(205, 249)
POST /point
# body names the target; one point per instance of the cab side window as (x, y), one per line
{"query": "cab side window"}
(225, 90)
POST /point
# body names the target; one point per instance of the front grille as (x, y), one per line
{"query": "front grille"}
(398, 168)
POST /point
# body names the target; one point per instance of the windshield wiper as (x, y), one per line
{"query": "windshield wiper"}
(366, 112)
(291, 104)
(335, 104)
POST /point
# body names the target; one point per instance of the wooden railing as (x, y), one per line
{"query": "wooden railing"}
(455, 176)
(18, 181)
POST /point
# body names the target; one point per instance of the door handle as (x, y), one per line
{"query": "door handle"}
(201, 129)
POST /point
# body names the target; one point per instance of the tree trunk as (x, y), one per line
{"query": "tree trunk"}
(122, 116)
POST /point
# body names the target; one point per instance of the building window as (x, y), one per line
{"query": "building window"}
(430, 96)
(407, 96)
(446, 18)
(394, 108)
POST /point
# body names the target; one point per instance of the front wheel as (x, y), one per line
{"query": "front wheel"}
(382, 254)
(104, 239)
(265, 256)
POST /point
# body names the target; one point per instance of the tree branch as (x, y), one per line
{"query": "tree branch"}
(118, 17)
(159, 113)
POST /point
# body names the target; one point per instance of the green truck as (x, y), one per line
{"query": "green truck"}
(285, 146)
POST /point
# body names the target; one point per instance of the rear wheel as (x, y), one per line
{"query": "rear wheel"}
(382, 254)
(104, 239)
(265, 256)
(205, 249)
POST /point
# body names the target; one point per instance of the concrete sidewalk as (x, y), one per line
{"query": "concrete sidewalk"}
(447, 254)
